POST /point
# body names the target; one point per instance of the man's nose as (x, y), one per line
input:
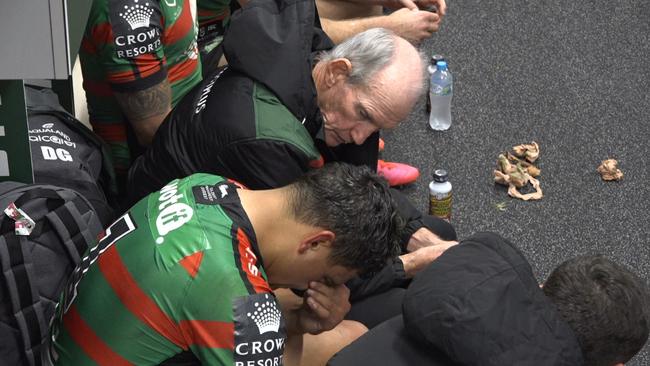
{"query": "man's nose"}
(361, 132)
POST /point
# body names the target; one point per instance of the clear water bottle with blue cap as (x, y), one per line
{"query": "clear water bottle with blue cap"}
(441, 91)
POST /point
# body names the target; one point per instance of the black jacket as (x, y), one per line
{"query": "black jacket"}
(247, 121)
(478, 304)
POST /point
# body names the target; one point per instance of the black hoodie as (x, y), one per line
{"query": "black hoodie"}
(478, 304)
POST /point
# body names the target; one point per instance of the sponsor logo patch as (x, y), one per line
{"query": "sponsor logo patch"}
(136, 27)
(137, 15)
(217, 194)
(259, 331)
(173, 214)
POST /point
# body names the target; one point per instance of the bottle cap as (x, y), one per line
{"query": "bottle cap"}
(439, 175)
(435, 58)
(442, 65)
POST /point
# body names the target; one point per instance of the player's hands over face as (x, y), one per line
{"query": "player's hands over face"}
(324, 307)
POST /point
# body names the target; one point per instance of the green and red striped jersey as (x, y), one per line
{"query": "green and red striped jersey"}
(179, 273)
(131, 45)
(213, 16)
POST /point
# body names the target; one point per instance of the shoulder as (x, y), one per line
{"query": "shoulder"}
(274, 121)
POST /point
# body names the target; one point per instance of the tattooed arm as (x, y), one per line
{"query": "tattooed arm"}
(146, 109)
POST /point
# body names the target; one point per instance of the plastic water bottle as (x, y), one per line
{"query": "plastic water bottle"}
(440, 195)
(441, 91)
(431, 68)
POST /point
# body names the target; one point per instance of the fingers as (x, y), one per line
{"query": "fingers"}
(409, 4)
(431, 22)
(319, 309)
(327, 304)
(442, 7)
(326, 300)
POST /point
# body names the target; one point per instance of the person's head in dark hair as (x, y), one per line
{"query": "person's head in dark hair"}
(328, 226)
(354, 203)
(606, 306)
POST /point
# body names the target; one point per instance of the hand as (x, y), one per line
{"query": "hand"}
(324, 307)
(417, 260)
(423, 237)
(441, 6)
(413, 25)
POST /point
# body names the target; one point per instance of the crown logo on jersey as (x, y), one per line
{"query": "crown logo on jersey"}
(138, 15)
(266, 316)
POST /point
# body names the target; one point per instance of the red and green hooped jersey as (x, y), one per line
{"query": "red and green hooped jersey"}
(180, 272)
(131, 45)
(212, 18)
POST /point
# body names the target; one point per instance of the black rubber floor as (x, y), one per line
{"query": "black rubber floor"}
(573, 76)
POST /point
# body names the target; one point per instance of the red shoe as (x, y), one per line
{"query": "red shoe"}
(397, 174)
(381, 144)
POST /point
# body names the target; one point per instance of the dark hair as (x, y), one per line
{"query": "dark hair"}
(356, 205)
(606, 306)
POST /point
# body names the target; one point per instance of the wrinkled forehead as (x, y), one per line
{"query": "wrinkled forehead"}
(387, 104)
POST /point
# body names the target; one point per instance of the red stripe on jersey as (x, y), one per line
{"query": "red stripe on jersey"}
(88, 46)
(238, 184)
(181, 27)
(249, 262)
(89, 342)
(182, 70)
(100, 89)
(136, 300)
(191, 263)
(317, 163)
(148, 64)
(205, 333)
(102, 33)
(210, 16)
(208, 13)
(121, 76)
(110, 132)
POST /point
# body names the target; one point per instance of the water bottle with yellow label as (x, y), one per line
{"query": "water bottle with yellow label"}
(440, 195)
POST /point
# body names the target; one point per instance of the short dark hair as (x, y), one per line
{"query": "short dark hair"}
(606, 306)
(356, 205)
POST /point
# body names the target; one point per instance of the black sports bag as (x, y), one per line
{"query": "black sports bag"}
(65, 153)
(37, 262)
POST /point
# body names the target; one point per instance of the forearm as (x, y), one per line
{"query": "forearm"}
(340, 30)
(289, 304)
(146, 109)
(292, 350)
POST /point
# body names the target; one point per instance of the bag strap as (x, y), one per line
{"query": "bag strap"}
(17, 270)
(69, 225)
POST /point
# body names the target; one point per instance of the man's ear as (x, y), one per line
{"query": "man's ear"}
(337, 69)
(316, 240)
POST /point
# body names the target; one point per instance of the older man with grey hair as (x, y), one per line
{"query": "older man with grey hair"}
(261, 119)
(289, 102)
(367, 83)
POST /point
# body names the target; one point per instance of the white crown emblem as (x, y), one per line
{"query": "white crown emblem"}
(266, 316)
(138, 15)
